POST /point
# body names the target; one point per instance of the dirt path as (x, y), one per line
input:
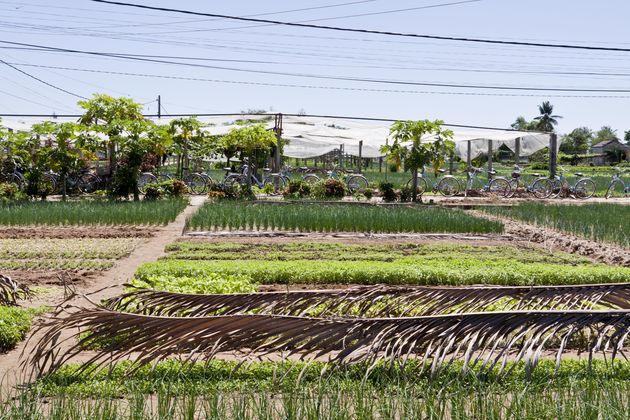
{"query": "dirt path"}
(552, 239)
(107, 284)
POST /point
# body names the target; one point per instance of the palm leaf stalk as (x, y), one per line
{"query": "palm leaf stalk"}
(487, 340)
(11, 291)
(377, 301)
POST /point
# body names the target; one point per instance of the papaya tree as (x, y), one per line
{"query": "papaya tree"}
(418, 144)
(246, 141)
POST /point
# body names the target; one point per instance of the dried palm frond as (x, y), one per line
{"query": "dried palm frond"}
(378, 301)
(11, 291)
(485, 339)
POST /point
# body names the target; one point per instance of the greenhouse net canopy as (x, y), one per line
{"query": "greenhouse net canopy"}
(310, 137)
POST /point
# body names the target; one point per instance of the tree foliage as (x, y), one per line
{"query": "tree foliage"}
(605, 133)
(546, 120)
(577, 141)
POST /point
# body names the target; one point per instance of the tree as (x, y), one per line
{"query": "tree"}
(546, 120)
(246, 141)
(522, 124)
(126, 132)
(417, 144)
(626, 137)
(577, 141)
(604, 134)
(189, 140)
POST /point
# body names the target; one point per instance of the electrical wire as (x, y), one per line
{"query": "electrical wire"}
(42, 81)
(368, 31)
(337, 88)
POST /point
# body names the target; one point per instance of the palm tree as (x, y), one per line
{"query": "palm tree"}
(546, 119)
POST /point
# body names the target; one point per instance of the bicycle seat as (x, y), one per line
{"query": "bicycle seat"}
(492, 172)
(579, 174)
(537, 175)
(227, 169)
(441, 171)
(266, 169)
(304, 168)
(275, 174)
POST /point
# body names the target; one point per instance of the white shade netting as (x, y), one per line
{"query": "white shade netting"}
(309, 137)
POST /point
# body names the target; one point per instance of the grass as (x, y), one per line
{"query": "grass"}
(293, 390)
(306, 217)
(601, 222)
(14, 324)
(85, 212)
(64, 254)
(207, 265)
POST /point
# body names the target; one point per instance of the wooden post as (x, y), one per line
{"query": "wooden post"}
(450, 164)
(553, 154)
(517, 151)
(360, 155)
(490, 152)
(468, 154)
(278, 129)
(341, 155)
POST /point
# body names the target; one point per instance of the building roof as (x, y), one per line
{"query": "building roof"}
(616, 142)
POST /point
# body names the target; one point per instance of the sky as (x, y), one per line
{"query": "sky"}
(241, 57)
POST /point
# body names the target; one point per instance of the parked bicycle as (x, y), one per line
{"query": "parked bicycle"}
(83, 181)
(354, 182)
(275, 179)
(499, 186)
(308, 176)
(540, 187)
(617, 186)
(447, 185)
(583, 188)
(12, 174)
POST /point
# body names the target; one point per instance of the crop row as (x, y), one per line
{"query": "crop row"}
(361, 252)
(76, 248)
(290, 390)
(405, 271)
(598, 221)
(229, 215)
(56, 264)
(87, 212)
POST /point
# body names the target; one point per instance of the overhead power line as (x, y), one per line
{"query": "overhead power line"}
(42, 81)
(339, 78)
(368, 31)
(338, 88)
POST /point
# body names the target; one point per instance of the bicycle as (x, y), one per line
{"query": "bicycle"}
(448, 185)
(541, 187)
(498, 186)
(275, 179)
(14, 176)
(583, 188)
(617, 186)
(309, 177)
(355, 182)
(84, 181)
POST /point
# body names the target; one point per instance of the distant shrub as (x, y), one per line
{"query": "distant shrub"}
(387, 192)
(328, 189)
(297, 189)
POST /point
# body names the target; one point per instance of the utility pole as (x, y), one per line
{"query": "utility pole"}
(553, 154)
(159, 107)
(278, 129)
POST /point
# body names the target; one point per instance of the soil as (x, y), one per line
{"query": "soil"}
(52, 278)
(74, 232)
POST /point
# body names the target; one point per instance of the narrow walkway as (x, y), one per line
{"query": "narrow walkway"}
(109, 284)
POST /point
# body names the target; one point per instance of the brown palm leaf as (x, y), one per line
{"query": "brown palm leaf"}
(378, 301)
(11, 291)
(487, 339)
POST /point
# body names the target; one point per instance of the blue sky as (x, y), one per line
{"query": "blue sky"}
(86, 25)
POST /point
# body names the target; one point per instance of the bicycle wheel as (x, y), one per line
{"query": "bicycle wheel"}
(310, 178)
(163, 177)
(144, 179)
(449, 186)
(357, 183)
(196, 183)
(616, 189)
(423, 186)
(584, 188)
(513, 187)
(230, 182)
(47, 185)
(278, 182)
(87, 183)
(558, 188)
(500, 187)
(542, 188)
(17, 179)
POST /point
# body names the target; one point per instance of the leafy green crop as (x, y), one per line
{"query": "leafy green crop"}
(336, 218)
(208, 283)
(14, 324)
